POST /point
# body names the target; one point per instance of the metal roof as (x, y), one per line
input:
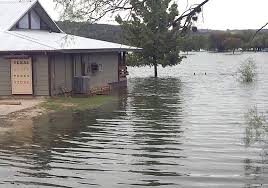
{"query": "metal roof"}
(11, 42)
(11, 11)
(36, 40)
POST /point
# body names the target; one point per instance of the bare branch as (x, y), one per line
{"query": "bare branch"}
(259, 30)
(94, 10)
(192, 11)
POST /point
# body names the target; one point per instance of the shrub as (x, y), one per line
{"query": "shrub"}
(247, 70)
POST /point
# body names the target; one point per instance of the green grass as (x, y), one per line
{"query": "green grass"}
(75, 103)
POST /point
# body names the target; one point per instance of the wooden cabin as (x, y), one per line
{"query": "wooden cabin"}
(37, 58)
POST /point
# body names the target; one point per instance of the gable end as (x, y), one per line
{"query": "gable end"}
(36, 18)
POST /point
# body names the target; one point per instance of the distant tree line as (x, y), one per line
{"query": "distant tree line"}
(224, 41)
(218, 41)
(228, 41)
(110, 33)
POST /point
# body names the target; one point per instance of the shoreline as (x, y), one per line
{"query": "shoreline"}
(25, 114)
(24, 109)
(32, 108)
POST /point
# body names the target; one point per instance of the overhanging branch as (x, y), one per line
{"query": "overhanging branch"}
(192, 11)
(259, 30)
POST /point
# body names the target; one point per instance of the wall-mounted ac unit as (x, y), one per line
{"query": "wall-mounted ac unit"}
(82, 85)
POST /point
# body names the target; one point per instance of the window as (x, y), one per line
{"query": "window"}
(31, 20)
(35, 21)
(24, 22)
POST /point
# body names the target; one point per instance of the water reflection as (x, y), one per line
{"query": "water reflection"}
(257, 127)
(180, 131)
(155, 107)
(138, 135)
(256, 134)
(47, 148)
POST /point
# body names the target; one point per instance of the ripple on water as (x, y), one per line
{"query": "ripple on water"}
(176, 131)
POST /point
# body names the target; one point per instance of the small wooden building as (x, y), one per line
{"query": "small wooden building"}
(37, 58)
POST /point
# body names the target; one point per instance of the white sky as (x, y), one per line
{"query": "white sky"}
(218, 14)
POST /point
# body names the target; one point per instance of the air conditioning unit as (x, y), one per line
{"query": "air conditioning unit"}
(82, 85)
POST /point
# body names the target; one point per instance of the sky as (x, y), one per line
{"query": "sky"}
(217, 14)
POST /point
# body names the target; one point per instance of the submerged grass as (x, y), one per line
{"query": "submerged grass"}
(75, 103)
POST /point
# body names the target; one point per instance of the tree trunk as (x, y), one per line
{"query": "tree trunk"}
(155, 70)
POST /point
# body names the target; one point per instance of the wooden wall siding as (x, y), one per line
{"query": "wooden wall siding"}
(5, 80)
(77, 65)
(61, 73)
(40, 75)
(109, 74)
(68, 71)
(110, 69)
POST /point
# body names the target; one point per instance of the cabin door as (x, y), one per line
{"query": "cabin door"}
(21, 76)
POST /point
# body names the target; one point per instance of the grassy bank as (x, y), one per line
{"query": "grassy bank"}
(75, 103)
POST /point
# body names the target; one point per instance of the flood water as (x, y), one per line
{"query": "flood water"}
(181, 130)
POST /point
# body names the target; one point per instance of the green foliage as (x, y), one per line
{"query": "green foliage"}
(75, 103)
(111, 33)
(209, 40)
(186, 44)
(232, 43)
(149, 28)
(260, 42)
(216, 41)
(248, 70)
(193, 43)
(257, 128)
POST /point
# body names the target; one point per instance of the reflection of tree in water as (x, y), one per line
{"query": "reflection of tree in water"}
(257, 127)
(155, 108)
(156, 99)
(157, 105)
(254, 172)
(256, 134)
(140, 133)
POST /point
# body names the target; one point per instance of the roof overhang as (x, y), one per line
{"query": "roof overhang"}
(99, 50)
(71, 51)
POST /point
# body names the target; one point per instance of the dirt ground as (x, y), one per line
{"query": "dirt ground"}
(26, 109)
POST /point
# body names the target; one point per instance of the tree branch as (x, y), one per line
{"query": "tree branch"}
(192, 11)
(259, 30)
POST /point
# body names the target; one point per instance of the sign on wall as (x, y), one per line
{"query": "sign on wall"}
(21, 76)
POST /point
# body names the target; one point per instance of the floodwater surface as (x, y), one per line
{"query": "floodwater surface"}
(180, 130)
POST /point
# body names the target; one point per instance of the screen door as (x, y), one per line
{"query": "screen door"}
(21, 76)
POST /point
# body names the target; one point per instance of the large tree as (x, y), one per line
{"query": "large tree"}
(153, 25)
(150, 28)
